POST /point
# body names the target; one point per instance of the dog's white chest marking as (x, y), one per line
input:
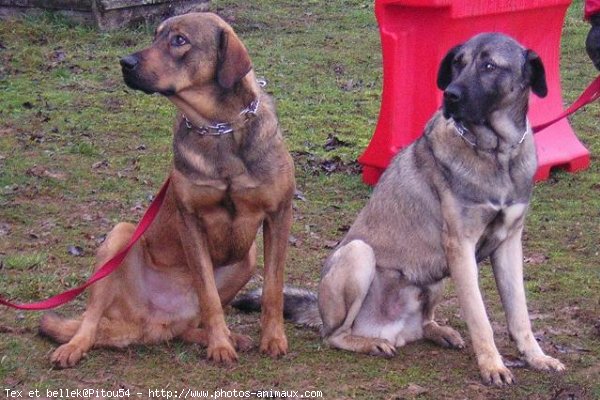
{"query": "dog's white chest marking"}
(513, 213)
(505, 222)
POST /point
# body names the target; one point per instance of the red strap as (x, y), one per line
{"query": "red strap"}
(110, 266)
(592, 93)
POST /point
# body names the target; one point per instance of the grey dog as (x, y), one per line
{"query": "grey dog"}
(456, 196)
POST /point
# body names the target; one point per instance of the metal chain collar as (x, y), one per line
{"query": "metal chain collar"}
(223, 128)
(461, 131)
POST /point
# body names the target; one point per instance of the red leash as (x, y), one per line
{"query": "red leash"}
(591, 94)
(106, 269)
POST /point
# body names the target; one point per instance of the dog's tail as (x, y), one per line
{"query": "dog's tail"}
(58, 328)
(299, 305)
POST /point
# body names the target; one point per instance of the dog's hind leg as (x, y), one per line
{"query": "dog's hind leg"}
(200, 336)
(348, 275)
(117, 333)
(445, 336)
(101, 297)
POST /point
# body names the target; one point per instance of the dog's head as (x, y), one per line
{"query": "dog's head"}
(188, 51)
(489, 72)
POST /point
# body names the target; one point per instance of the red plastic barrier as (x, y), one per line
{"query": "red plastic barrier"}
(415, 36)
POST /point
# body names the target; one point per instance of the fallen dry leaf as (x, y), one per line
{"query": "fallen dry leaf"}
(42, 172)
(330, 244)
(76, 251)
(536, 259)
(333, 142)
(410, 392)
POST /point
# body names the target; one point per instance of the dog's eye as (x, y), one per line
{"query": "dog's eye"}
(457, 64)
(178, 41)
(489, 67)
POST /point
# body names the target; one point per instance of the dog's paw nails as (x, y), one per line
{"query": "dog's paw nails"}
(498, 376)
(384, 348)
(224, 354)
(458, 345)
(546, 363)
(242, 342)
(66, 356)
(387, 351)
(454, 340)
(274, 347)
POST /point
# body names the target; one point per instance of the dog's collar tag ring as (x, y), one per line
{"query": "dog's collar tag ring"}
(223, 128)
(461, 131)
(250, 111)
(527, 129)
(262, 82)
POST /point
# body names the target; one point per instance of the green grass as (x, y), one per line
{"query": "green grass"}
(79, 151)
(26, 261)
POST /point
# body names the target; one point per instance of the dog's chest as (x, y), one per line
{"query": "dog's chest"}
(234, 196)
(501, 223)
(229, 213)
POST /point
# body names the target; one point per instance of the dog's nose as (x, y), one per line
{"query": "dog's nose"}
(453, 94)
(129, 62)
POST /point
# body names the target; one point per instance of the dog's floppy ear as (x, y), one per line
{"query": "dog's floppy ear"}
(233, 62)
(535, 73)
(444, 76)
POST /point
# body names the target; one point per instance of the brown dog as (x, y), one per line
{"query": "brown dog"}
(232, 174)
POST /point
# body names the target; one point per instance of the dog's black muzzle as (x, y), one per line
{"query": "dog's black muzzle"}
(454, 100)
(130, 69)
(465, 105)
(129, 63)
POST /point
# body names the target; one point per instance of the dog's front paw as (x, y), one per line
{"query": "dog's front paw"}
(493, 371)
(545, 363)
(66, 356)
(222, 353)
(274, 346)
